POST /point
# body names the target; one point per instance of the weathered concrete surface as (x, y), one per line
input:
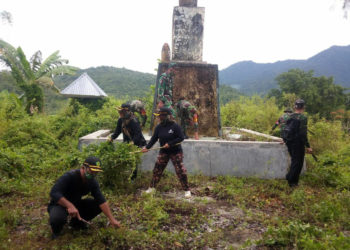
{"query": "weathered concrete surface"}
(188, 27)
(268, 160)
(188, 3)
(198, 83)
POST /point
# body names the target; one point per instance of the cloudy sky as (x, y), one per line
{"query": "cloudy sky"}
(130, 33)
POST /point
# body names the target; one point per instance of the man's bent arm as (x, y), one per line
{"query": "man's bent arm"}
(71, 209)
(107, 211)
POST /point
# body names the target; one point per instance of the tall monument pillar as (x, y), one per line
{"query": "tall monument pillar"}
(188, 27)
(194, 80)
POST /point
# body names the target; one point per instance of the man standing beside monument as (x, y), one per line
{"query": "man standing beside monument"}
(295, 136)
(188, 115)
(165, 89)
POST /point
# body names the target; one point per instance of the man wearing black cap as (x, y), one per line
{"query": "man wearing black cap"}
(128, 124)
(170, 137)
(66, 198)
(294, 135)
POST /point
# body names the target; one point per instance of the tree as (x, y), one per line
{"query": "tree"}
(320, 93)
(31, 76)
(227, 94)
(6, 16)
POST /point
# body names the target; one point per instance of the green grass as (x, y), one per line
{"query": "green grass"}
(241, 212)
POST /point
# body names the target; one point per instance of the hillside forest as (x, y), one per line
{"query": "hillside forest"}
(38, 143)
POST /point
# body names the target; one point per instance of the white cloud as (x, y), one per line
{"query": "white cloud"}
(131, 33)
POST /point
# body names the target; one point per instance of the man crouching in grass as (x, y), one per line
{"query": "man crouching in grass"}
(66, 198)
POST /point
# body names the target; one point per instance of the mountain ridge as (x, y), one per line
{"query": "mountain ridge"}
(250, 77)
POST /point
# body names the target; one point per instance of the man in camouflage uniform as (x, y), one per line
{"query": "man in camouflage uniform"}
(188, 116)
(282, 120)
(165, 89)
(296, 144)
(170, 137)
(138, 107)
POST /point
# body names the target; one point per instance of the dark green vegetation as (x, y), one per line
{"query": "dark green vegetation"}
(224, 211)
(117, 82)
(320, 93)
(252, 78)
(120, 83)
(227, 94)
(30, 75)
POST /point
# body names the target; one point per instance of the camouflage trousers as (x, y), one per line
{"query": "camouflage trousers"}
(177, 160)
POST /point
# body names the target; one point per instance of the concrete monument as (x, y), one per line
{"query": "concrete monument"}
(194, 79)
(188, 3)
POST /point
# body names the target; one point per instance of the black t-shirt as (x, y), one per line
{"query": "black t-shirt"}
(72, 187)
(170, 133)
(134, 130)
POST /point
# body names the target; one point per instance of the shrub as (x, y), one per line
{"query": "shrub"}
(303, 236)
(332, 170)
(117, 162)
(326, 136)
(254, 113)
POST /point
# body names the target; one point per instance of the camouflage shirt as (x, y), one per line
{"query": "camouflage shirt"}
(138, 107)
(185, 109)
(165, 88)
(281, 121)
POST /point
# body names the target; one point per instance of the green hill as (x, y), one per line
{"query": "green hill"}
(250, 77)
(118, 82)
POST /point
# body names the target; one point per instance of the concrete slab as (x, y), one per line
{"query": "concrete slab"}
(214, 157)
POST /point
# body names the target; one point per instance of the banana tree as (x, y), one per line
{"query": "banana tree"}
(32, 75)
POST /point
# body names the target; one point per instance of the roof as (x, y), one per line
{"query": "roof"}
(83, 87)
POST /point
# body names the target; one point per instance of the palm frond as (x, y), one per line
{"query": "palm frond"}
(62, 70)
(35, 61)
(53, 61)
(25, 64)
(46, 81)
(9, 56)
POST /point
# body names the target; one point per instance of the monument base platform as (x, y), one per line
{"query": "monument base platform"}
(213, 157)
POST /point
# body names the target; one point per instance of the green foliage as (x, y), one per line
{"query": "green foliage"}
(11, 107)
(31, 75)
(224, 212)
(118, 163)
(228, 94)
(12, 163)
(303, 236)
(7, 221)
(326, 136)
(120, 83)
(332, 170)
(254, 113)
(320, 93)
(92, 104)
